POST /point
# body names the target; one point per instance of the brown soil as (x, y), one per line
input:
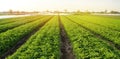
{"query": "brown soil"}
(66, 48)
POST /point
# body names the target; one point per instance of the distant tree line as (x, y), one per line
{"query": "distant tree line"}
(11, 12)
(78, 12)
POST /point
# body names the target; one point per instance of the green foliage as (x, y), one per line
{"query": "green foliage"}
(108, 27)
(86, 45)
(43, 45)
(17, 23)
(11, 37)
(9, 20)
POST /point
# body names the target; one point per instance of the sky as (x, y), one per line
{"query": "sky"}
(60, 5)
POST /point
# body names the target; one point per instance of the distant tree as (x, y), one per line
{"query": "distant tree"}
(105, 11)
(35, 12)
(87, 12)
(47, 11)
(65, 10)
(10, 11)
(78, 11)
(17, 12)
(23, 12)
(114, 12)
(56, 11)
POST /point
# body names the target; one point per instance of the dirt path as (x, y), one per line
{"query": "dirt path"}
(66, 48)
(98, 35)
(23, 40)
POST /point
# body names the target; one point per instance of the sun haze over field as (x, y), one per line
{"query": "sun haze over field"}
(71, 5)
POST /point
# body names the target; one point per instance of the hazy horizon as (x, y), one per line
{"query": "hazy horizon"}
(60, 5)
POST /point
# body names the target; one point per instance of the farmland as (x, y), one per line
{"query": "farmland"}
(60, 37)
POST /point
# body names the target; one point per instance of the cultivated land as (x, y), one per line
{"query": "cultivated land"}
(60, 37)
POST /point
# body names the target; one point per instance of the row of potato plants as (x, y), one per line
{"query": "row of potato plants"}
(10, 20)
(9, 38)
(43, 45)
(108, 22)
(111, 35)
(86, 45)
(9, 26)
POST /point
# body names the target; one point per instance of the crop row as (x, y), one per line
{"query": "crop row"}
(104, 21)
(110, 34)
(17, 23)
(86, 45)
(43, 45)
(10, 20)
(11, 37)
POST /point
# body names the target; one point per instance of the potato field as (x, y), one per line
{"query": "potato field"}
(60, 37)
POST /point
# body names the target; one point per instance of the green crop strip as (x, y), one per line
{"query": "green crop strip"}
(111, 35)
(11, 37)
(85, 45)
(102, 20)
(10, 20)
(43, 45)
(9, 26)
